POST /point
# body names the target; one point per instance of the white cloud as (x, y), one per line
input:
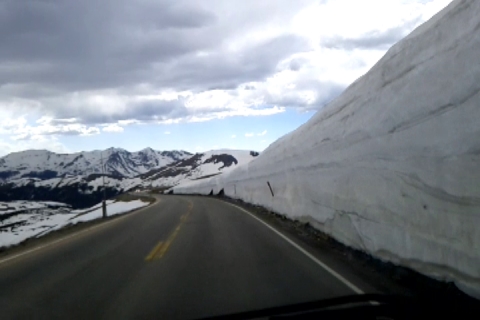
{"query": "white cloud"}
(233, 136)
(128, 122)
(167, 132)
(69, 120)
(8, 124)
(113, 128)
(36, 142)
(264, 132)
(242, 63)
(45, 128)
(251, 134)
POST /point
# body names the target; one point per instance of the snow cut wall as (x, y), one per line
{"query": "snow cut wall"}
(392, 166)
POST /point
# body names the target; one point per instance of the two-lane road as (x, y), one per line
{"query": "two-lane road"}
(184, 257)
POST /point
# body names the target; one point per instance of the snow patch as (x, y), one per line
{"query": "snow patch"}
(113, 209)
(33, 219)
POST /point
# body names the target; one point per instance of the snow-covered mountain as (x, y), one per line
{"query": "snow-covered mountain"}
(81, 188)
(44, 164)
(392, 166)
(197, 167)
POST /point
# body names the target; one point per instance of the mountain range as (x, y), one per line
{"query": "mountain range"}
(78, 178)
(44, 164)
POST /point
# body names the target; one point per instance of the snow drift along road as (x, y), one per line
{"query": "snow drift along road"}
(390, 167)
(35, 219)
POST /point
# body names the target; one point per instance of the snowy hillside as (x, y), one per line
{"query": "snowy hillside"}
(199, 166)
(44, 164)
(390, 167)
(77, 191)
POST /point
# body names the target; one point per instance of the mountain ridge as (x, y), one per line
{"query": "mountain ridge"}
(82, 188)
(117, 161)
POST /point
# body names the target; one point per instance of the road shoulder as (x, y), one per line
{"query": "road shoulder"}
(382, 277)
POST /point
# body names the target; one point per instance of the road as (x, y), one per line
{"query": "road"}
(182, 258)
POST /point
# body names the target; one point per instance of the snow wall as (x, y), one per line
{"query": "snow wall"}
(392, 166)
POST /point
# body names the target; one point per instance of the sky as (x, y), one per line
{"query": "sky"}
(186, 75)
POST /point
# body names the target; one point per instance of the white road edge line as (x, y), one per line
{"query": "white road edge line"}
(124, 215)
(350, 285)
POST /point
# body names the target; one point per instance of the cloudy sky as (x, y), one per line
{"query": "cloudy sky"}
(192, 75)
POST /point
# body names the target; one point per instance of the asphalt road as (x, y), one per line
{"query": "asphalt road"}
(182, 258)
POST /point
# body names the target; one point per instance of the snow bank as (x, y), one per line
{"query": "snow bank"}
(390, 167)
(113, 209)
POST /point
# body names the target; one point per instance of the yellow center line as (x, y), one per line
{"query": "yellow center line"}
(154, 251)
(162, 247)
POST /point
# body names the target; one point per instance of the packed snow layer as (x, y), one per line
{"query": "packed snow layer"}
(390, 167)
(39, 218)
